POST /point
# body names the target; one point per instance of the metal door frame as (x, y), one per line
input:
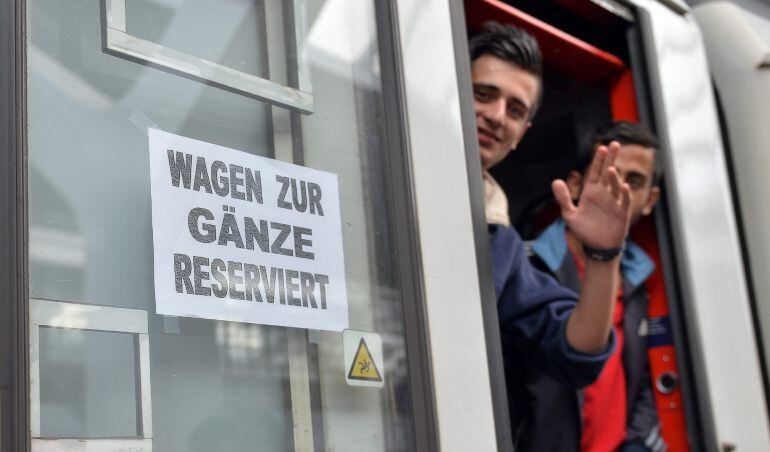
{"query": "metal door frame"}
(14, 368)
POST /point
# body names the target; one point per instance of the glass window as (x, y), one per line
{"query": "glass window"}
(85, 376)
(196, 27)
(213, 385)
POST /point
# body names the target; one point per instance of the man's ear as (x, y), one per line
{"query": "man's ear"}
(652, 199)
(575, 184)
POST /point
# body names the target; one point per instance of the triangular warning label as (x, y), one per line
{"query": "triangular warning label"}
(363, 367)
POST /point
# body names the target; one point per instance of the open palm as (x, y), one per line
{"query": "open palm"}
(602, 215)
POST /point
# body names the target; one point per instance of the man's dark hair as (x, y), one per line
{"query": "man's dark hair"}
(514, 46)
(510, 44)
(624, 132)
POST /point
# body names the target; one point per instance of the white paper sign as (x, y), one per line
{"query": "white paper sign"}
(245, 238)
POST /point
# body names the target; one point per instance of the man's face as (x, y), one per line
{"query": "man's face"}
(504, 98)
(635, 165)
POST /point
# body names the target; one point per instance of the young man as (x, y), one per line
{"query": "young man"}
(617, 411)
(544, 325)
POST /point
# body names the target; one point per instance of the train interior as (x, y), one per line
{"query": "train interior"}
(594, 72)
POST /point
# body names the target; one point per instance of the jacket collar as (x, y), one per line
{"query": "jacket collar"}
(495, 202)
(551, 248)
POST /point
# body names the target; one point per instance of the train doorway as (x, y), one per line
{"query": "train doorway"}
(594, 73)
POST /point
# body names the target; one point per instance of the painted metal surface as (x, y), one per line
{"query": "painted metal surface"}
(736, 49)
(456, 329)
(705, 234)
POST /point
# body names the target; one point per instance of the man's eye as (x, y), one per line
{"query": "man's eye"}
(635, 183)
(517, 112)
(483, 95)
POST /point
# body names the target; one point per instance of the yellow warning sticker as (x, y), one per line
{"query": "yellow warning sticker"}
(364, 363)
(363, 366)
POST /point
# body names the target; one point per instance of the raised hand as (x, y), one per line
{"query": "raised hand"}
(601, 218)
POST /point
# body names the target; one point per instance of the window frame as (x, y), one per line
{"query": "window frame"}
(14, 372)
(119, 42)
(77, 316)
(494, 349)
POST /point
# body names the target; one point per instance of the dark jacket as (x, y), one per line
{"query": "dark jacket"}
(533, 310)
(554, 414)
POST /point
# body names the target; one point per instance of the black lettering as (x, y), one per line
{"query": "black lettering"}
(260, 233)
(199, 275)
(180, 164)
(253, 186)
(268, 283)
(201, 176)
(307, 285)
(322, 280)
(315, 198)
(299, 242)
(281, 286)
(235, 181)
(217, 267)
(182, 270)
(251, 282)
(221, 185)
(299, 206)
(192, 225)
(292, 287)
(229, 231)
(281, 202)
(275, 248)
(232, 267)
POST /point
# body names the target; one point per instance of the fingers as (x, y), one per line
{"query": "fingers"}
(562, 195)
(597, 164)
(614, 178)
(609, 161)
(621, 192)
(625, 199)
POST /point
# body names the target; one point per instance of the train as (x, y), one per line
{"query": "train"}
(106, 346)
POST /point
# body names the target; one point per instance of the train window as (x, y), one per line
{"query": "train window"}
(108, 372)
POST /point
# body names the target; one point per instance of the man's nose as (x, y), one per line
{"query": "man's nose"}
(495, 112)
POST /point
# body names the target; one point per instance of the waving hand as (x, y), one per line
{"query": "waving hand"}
(601, 217)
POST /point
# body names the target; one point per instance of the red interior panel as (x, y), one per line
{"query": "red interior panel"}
(561, 51)
(623, 97)
(662, 357)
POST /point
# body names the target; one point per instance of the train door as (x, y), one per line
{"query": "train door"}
(627, 60)
(594, 72)
(216, 236)
(737, 40)
(721, 337)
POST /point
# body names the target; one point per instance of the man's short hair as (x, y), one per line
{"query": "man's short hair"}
(512, 45)
(624, 132)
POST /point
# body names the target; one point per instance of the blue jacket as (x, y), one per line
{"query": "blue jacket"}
(533, 310)
(554, 410)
